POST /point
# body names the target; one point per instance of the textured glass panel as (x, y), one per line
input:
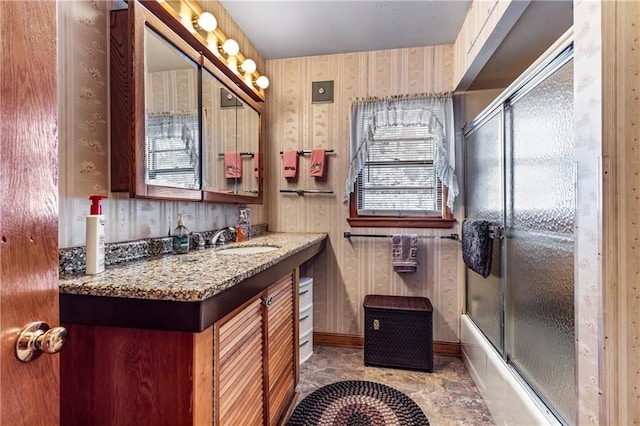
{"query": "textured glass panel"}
(483, 191)
(539, 318)
(542, 155)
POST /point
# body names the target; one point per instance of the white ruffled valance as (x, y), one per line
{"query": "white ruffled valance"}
(433, 111)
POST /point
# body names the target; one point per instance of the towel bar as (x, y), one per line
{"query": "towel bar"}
(305, 152)
(307, 191)
(434, 237)
(243, 154)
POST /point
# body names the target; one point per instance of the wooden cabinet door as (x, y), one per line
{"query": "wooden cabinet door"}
(238, 375)
(281, 345)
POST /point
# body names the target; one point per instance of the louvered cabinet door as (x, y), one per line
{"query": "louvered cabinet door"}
(238, 376)
(281, 346)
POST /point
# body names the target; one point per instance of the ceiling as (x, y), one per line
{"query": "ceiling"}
(298, 28)
(286, 29)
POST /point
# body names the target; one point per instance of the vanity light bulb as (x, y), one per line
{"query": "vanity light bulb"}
(249, 66)
(231, 47)
(262, 82)
(207, 21)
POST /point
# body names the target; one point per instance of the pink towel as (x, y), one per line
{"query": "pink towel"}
(290, 163)
(317, 162)
(256, 164)
(232, 165)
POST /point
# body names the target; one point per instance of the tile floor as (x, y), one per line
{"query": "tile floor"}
(447, 396)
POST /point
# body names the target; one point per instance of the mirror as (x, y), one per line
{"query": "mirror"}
(172, 138)
(175, 113)
(248, 128)
(231, 141)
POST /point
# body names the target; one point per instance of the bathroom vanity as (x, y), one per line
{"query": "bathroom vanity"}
(196, 339)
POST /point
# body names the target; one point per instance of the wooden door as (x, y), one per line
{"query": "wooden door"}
(281, 336)
(28, 207)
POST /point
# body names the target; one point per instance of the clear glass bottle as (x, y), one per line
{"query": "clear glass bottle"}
(243, 227)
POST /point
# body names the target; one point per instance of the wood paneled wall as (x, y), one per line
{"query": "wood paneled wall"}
(348, 270)
(620, 59)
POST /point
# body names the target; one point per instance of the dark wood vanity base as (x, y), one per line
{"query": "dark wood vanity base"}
(231, 358)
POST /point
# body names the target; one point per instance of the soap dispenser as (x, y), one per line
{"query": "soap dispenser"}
(181, 237)
(95, 237)
(243, 227)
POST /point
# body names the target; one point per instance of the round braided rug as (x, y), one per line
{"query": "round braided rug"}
(357, 403)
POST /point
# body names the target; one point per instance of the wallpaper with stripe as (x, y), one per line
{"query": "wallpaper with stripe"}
(349, 270)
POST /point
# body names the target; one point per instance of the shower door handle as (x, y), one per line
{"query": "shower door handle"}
(496, 232)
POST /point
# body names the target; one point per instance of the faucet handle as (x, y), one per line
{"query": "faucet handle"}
(199, 239)
(223, 238)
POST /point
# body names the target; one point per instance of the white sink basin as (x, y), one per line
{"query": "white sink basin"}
(247, 250)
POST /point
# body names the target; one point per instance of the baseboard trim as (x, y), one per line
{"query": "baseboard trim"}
(357, 341)
(341, 340)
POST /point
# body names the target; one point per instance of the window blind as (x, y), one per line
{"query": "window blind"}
(399, 177)
(173, 151)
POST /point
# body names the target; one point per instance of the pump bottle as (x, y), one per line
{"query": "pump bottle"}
(95, 236)
(243, 227)
(181, 237)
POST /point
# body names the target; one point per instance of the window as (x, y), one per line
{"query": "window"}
(397, 184)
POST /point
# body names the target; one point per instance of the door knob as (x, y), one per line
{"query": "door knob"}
(36, 338)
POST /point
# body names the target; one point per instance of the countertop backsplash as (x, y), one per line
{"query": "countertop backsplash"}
(73, 259)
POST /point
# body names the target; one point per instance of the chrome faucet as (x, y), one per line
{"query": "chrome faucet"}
(219, 236)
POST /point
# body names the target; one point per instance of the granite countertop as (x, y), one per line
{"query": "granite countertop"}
(191, 277)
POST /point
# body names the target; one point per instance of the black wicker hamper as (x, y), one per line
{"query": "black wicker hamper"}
(398, 332)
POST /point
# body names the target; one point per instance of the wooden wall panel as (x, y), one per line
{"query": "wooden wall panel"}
(347, 271)
(621, 203)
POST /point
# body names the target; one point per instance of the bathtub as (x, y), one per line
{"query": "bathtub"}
(510, 401)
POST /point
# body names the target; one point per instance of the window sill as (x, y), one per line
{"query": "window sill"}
(400, 222)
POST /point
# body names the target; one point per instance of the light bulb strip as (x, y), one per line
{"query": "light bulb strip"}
(233, 65)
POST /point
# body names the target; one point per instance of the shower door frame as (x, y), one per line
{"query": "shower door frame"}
(555, 58)
(494, 109)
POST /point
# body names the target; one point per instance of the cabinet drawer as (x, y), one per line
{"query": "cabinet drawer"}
(306, 292)
(306, 320)
(306, 346)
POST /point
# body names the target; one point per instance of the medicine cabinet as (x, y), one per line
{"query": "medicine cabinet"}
(176, 118)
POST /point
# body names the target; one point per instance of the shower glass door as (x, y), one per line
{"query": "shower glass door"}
(519, 173)
(539, 326)
(485, 200)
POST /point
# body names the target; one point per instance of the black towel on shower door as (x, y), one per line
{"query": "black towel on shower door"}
(477, 245)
